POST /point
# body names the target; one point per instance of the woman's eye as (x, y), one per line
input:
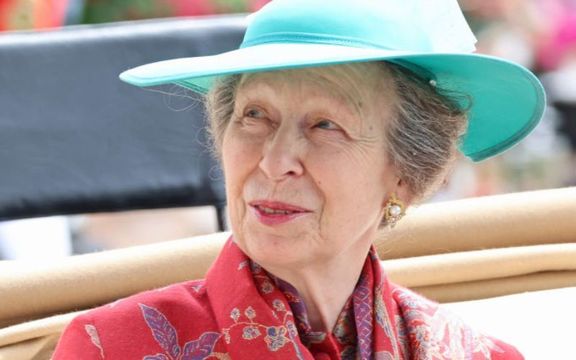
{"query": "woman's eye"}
(326, 125)
(255, 120)
(253, 113)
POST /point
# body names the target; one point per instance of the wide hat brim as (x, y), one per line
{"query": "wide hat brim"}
(507, 100)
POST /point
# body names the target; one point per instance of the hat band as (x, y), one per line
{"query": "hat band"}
(303, 38)
(309, 38)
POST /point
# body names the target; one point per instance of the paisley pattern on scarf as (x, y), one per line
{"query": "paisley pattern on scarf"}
(242, 312)
(436, 334)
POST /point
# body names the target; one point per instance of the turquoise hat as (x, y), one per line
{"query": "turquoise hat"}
(507, 99)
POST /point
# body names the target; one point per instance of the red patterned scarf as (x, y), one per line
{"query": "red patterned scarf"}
(262, 318)
(242, 312)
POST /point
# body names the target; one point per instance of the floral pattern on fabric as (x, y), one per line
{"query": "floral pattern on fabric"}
(353, 335)
(275, 337)
(435, 334)
(241, 312)
(166, 336)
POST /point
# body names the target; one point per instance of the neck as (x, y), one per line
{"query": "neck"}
(325, 286)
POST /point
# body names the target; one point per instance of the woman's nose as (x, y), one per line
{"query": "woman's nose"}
(281, 157)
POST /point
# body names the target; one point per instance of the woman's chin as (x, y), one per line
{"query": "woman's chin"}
(271, 249)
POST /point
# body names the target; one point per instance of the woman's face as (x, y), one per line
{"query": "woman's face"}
(305, 163)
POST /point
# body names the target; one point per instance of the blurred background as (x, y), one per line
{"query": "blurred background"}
(539, 34)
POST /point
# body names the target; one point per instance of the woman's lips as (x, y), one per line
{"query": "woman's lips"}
(275, 213)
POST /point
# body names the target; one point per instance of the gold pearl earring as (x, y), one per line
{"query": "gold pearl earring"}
(394, 210)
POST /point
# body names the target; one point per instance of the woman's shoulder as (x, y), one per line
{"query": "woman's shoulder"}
(148, 323)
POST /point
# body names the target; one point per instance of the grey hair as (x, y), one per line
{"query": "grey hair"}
(423, 136)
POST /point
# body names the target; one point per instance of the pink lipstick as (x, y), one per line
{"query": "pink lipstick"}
(275, 213)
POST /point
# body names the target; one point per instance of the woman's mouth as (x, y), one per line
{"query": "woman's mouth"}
(275, 213)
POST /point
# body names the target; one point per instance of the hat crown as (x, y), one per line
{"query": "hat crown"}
(383, 24)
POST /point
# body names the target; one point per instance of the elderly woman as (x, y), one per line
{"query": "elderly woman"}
(329, 120)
